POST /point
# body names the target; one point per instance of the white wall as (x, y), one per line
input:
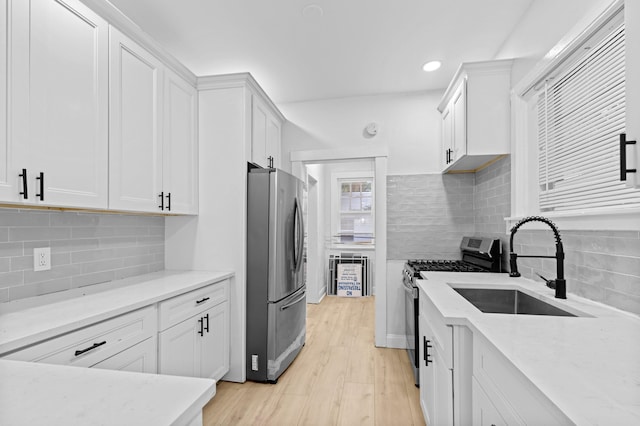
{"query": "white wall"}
(409, 128)
(408, 123)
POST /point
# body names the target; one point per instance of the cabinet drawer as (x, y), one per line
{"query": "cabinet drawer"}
(517, 400)
(90, 345)
(180, 308)
(442, 333)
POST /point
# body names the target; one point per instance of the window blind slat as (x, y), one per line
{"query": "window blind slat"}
(580, 115)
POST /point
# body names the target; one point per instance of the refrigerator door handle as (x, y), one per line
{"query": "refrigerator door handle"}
(299, 245)
(295, 302)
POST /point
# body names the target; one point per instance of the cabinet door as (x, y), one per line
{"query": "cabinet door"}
(459, 127)
(7, 180)
(140, 358)
(447, 133)
(214, 355)
(484, 412)
(427, 374)
(443, 396)
(273, 140)
(632, 87)
(179, 349)
(59, 95)
(135, 149)
(259, 133)
(180, 146)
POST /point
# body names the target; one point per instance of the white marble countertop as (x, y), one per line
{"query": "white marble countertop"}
(36, 394)
(33, 324)
(589, 366)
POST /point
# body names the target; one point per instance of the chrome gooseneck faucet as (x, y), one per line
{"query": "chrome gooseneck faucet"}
(559, 284)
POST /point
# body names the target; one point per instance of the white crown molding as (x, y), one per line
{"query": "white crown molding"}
(475, 68)
(243, 79)
(120, 21)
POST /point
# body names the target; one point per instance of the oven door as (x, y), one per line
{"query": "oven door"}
(411, 324)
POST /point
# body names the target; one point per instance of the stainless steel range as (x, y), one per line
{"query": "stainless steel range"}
(478, 254)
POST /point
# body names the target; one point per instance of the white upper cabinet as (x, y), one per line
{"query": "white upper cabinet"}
(476, 116)
(180, 146)
(632, 87)
(7, 182)
(58, 98)
(135, 128)
(265, 135)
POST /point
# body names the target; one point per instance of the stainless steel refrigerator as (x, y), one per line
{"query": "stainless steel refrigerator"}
(276, 290)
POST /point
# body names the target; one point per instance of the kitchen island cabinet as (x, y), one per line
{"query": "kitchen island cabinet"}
(531, 369)
(55, 150)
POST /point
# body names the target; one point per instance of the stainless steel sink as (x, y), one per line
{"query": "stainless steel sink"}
(509, 301)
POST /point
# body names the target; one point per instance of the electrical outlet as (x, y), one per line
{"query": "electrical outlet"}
(42, 259)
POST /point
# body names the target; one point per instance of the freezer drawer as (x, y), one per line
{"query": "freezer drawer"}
(283, 338)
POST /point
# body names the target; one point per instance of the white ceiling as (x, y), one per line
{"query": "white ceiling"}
(357, 47)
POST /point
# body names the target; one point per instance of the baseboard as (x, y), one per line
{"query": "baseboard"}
(397, 341)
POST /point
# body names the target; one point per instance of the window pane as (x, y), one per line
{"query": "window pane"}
(356, 187)
(355, 204)
(344, 203)
(346, 188)
(366, 187)
(366, 203)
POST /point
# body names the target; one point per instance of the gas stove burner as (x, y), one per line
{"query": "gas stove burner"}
(444, 265)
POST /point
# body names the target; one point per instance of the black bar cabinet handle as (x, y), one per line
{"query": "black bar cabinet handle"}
(201, 332)
(95, 345)
(41, 179)
(206, 327)
(161, 206)
(201, 300)
(623, 156)
(168, 201)
(426, 348)
(24, 192)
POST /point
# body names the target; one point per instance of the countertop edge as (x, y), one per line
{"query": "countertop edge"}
(194, 280)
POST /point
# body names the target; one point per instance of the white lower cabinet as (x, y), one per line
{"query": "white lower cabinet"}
(436, 366)
(186, 335)
(197, 346)
(91, 345)
(140, 358)
(484, 412)
(503, 395)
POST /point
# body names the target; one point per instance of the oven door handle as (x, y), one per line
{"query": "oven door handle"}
(411, 290)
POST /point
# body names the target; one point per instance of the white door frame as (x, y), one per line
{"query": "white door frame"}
(379, 156)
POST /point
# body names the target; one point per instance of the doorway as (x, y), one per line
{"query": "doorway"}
(377, 157)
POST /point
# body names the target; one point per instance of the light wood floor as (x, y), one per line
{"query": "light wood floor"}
(339, 378)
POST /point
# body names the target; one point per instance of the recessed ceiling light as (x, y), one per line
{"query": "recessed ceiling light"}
(431, 66)
(312, 11)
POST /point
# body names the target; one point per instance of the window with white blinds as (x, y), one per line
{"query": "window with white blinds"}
(581, 113)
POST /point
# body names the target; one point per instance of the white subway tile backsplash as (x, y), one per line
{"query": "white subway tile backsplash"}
(39, 288)
(86, 249)
(599, 265)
